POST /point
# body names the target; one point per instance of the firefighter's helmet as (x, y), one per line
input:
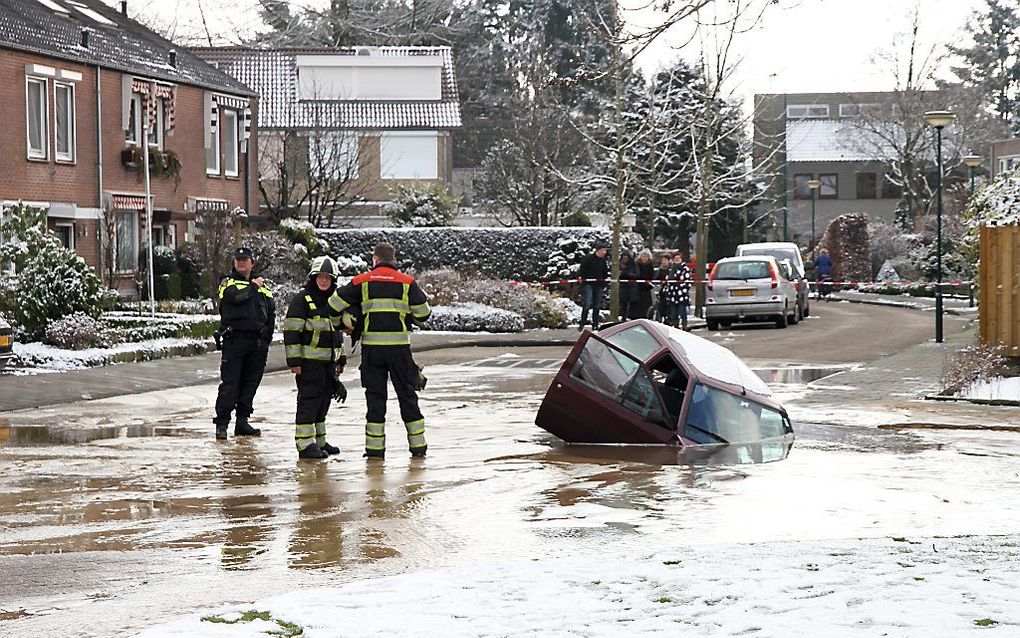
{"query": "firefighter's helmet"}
(325, 265)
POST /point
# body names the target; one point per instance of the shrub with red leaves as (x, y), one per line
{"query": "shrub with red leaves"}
(846, 239)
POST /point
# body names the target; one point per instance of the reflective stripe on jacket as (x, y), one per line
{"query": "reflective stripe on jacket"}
(311, 332)
(245, 306)
(387, 299)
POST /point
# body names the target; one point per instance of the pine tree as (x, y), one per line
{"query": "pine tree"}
(992, 63)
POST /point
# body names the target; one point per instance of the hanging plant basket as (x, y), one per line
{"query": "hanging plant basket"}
(162, 164)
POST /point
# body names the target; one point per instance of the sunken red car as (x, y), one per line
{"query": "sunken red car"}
(641, 382)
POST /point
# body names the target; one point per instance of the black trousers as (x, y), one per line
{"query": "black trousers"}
(315, 391)
(393, 363)
(241, 368)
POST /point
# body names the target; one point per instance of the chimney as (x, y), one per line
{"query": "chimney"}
(173, 58)
(84, 38)
(123, 8)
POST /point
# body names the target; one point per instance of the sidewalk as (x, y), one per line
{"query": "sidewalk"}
(952, 305)
(32, 391)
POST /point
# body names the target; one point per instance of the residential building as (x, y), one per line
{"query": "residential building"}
(340, 129)
(804, 137)
(78, 81)
(1005, 156)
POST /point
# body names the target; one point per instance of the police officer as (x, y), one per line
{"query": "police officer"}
(314, 344)
(247, 317)
(386, 300)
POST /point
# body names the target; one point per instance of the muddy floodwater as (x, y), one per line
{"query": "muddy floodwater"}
(121, 513)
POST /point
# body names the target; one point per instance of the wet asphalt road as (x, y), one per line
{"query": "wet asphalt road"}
(120, 513)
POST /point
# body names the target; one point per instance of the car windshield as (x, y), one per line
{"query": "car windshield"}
(742, 270)
(717, 416)
(635, 341)
(779, 253)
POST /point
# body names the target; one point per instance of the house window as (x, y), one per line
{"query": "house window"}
(127, 241)
(212, 154)
(231, 148)
(156, 132)
(37, 111)
(867, 185)
(800, 187)
(136, 122)
(890, 190)
(1007, 164)
(159, 236)
(799, 111)
(830, 186)
(64, 129)
(65, 232)
(334, 154)
(409, 155)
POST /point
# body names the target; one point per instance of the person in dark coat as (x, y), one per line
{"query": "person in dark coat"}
(628, 289)
(678, 291)
(646, 272)
(247, 319)
(594, 272)
(661, 275)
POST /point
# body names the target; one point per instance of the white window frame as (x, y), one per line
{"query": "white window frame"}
(213, 152)
(134, 132)
(810, 111)
(70, 234)
(134, 240)
(158, 133)
(1008, 162)
(72, 126)
(341, 148)
(44, 134)
(231, 150)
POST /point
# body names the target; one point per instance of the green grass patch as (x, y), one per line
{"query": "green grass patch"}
(670, 562)
(986, 622)
(665, 599)
(287, 629)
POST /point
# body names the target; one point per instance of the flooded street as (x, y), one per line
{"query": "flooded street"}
(121, 513)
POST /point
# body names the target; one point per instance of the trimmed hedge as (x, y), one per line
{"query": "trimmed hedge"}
(525, 254)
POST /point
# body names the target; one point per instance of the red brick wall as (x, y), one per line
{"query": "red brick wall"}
(77, 183)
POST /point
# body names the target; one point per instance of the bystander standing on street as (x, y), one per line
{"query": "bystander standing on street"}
(646, 272)
(247, 319)
(388, 301)
(678, 292)
(661, 275)
(313, 338)
(594, 272)
(628, 286)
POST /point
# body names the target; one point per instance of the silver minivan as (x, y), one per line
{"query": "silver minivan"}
(753, 288)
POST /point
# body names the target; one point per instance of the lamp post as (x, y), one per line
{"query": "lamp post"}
(814, 185)
(938, 120)
(972, 162)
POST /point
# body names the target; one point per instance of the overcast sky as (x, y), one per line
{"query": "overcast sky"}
(800, 46)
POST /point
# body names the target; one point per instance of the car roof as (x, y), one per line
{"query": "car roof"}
(771, 244)
(748, 258)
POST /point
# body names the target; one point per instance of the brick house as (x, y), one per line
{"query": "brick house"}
(380, 116)
(78, 81)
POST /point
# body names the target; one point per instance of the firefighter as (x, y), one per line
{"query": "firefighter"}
(247, 317)
(314, 344)
(386, 300)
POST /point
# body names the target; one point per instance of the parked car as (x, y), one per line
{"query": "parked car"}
(6, 341)
(749, 289)
(785, 250)
(642, 382)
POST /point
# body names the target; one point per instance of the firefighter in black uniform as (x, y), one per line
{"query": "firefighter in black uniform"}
(387, 300)
(247, 317)
(314, 343)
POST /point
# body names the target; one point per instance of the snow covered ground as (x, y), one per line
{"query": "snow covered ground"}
(997, 388)
(924, 587)
(47, 358)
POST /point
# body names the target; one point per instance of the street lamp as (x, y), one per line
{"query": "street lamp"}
(814, 185)
(939, 120)
(972, 162)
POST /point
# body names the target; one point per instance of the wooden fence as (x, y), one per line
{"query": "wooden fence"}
(999, 279)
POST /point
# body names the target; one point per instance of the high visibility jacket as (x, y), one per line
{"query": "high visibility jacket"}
(387, 300)
(245, 306)
(311, 332)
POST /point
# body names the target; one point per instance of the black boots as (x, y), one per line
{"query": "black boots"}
(221, 432)
(313, 451)
(418, 453)
(329, 449)
(375, 454)
(242, 428)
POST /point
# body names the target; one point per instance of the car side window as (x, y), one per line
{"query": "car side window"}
(618, 376)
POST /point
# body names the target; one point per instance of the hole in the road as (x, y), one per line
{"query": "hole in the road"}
(798, 375)
(27, 435)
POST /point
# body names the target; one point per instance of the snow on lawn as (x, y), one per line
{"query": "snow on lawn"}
(49, 358)
(997, 388)
(876, 587)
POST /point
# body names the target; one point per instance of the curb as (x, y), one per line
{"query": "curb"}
(957, 312)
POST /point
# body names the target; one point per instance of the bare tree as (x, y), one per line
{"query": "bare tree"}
(108, 245)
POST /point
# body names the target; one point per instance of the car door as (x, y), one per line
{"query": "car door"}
(604, 395)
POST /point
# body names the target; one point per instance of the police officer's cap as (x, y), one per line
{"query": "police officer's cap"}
(243, 253)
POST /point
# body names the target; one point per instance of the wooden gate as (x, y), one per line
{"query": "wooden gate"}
(999, 278)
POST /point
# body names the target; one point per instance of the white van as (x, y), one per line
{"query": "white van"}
(783, 250)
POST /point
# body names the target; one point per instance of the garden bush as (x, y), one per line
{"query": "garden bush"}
(473, 317)
(76, 332)
(302, 233)
(846, 238)
(537, 307)
(523, 253)
(420, 205)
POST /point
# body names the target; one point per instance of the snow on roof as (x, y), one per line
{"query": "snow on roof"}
(829, 141)
(273, 73)
(115, 41)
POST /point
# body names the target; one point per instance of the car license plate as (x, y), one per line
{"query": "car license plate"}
(742, 292)
(5, 342)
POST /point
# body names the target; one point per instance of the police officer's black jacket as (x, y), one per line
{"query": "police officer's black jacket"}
(593, 267)
(311, 331)
(386, 300)
(244, 306)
